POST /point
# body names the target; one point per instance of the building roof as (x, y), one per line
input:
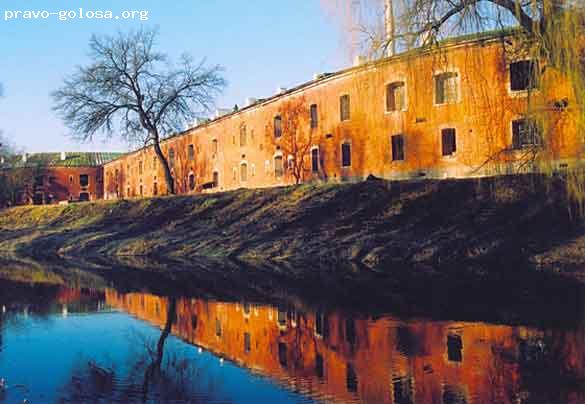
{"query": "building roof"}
(72, 159)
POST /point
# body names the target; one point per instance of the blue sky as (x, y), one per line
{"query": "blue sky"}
(263, 44)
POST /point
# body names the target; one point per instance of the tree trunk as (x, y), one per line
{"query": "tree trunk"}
(168, 176)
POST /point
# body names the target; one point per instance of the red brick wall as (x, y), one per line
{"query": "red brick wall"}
(482, 118)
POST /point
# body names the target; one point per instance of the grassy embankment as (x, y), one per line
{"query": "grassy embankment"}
(486, 223)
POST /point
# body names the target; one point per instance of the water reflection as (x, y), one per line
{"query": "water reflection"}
(81, 337)
(355, 358)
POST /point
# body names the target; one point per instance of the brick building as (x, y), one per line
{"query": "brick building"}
(462, 110)
(45, 178)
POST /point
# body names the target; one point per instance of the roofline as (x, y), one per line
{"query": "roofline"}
(449, 43)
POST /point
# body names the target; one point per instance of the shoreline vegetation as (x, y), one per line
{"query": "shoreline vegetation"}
(497, 249)
(523, 220)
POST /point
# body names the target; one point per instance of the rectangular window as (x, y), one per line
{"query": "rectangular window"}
(448, 141)
(345, 155)
(244, 172)
(247, 342)
(446, 88)
(523, 75)
(84, 180)
(140, 167)
(395, 97)
(217, 327)
(277, 126)
(319, 368)
(397, 148)
(282, 357)
(214, 146)
(315, 160)
(243, 136)
(314, 116)
(191, 152)
(524, 134)
(215, 182)
(344, 112)
(278, 167)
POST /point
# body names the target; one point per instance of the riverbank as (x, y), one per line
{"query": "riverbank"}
(501, 223)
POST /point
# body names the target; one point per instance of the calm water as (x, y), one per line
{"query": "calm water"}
(106, 343)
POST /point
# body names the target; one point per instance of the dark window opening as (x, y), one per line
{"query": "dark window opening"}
(405, 342)
(140, 167)
(141, 190)
(315, 160)
(523, 75)
(282, 359)
(395, 97)
(345, 155)
(247, 342)
(448, 142)
(281, 317)
(344, 108)
(155, 189)
(277, 126)
(214, 147)
(194, 322)
(403, 391)
(84, 180)
(192, 182)
(319, 368)
(314, 116)
(217, 327)
(39, 180)
(351, 380)
(446, 88)
(454, 348)
(191, 152)
(453, 395)
(278, 166)
(215, 182)
(397, 148)
(350, 335)
(243, 172)
(83, 197)
(525, 133)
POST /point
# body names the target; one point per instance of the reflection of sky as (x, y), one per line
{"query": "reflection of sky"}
(44, 354)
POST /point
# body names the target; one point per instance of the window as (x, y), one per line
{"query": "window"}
(155, 189)
(243, 172)
(215, 182)
(140, 167)
(319, 368)
(277, 126)
(524, 134)
(351, 380)
(278, 166)
(344, 108)
(191, 181)
(454, 348)
(243, 136)
(321, 325)
(314, 116)
(282, 359)
(247, 342)
(397, 148)
(83, 197)
(84, 180)
(71, 178)
(350, 335)
(39, 180)
(315, 160)
(403, 391)
(191, 152)
(523, 75)
(345, 155)
(448, 142)
(171, 158)
(141, 193)
(217, 327)
(446, 88)
(395, 97)
(281, 317)
(214, 147)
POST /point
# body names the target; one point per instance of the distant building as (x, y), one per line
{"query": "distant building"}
(46, 178)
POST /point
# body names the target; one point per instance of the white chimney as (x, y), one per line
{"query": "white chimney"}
(280, 90)
(359, 60)
(251, 101)
(63, 156)
(24, 157)
(390, 27)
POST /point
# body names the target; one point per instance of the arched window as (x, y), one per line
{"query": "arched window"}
(278, 167)
(243, 172)
(277, 126)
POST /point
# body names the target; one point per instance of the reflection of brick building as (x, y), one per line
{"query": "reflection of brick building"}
(460, 111)
(45, 178)
(386, 360)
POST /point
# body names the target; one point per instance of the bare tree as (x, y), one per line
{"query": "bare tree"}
(131, 87)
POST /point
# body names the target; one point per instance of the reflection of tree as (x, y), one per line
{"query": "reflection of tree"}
(149, 374)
